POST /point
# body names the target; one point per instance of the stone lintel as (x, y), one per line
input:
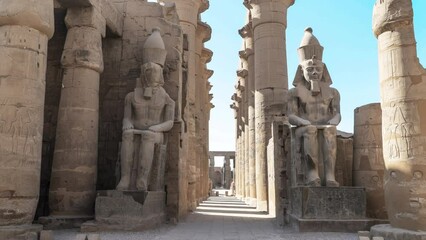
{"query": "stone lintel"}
(113, 18)
(34, 14)
(204, 30)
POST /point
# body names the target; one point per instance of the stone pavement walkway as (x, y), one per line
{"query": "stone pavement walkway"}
(218, 218)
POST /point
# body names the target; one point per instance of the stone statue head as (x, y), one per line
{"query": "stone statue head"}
(151, 75)
(311, 69)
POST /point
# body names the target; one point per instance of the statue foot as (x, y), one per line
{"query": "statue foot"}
(314, 183)
(123, 185)
(333, 183)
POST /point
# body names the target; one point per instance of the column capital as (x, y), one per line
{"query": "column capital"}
(206, 55)
(246, 53)
(86, 17)
(204, 31)
(246, 31)
(249, 3)
(208, 73)
(34, 14)
(242, 73)
(114, 19)
(389, 14)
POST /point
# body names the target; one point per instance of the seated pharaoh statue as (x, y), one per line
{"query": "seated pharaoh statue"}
(148, 113)
(314, 110)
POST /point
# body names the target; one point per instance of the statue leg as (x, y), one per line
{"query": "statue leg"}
(146, 157)
(310, 147)
(329, 149)
(126, 160)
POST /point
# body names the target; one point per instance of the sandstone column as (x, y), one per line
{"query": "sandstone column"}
(269, 20)
(188, 11)
(248, 54)
(403, 101)
(74, 168)
(25, 27)
(368, 166)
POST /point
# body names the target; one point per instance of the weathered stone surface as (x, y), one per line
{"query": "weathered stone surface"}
(403, 103)
(328, 202)
(344, 160)
(368, 157)
(127, 211)
(20, 232)
(46, 235)
(36, 14)
(390, 233)
(25, 27)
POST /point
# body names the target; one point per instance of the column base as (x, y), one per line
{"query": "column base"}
(388, 232)
(21, 232)
(127, 211)
(63, 222)
(262, 206)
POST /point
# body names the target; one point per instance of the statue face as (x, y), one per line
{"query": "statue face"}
(312, 69)
(153, 74)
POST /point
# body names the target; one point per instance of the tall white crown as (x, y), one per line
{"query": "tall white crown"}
(309, 47)
(154, 49)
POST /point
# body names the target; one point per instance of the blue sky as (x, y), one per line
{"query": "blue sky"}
(343, 28)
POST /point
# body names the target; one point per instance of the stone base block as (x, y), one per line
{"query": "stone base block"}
(20, 232)
(390, 233)
(333, 225)
(63, 222)
(328, 202)
(127, 211)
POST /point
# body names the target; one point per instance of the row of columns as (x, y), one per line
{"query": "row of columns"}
(197, 107)
(260, 94)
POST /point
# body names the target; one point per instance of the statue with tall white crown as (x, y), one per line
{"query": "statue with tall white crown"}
(148, 113)
(314, 110)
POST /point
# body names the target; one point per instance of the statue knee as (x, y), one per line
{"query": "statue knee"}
(310, 131)
(330, 131)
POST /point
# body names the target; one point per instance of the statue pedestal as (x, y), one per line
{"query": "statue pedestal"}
(329, 209)
(21, 232)
(388, 232)
(127, 211)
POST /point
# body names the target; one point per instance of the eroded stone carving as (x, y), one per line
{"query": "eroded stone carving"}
(148, 113)
(314, 108)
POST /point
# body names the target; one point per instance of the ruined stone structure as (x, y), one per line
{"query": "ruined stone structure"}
(87, 68)
(403, 102)
(227, 173)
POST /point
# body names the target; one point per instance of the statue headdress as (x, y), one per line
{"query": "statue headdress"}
(154, 49)
(309, 47)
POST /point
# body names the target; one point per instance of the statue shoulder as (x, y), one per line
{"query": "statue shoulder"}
(129, 97)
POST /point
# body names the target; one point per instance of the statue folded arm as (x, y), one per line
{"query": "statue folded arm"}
(335, 120)
(169, 113)
(292, 110)
(127, 119)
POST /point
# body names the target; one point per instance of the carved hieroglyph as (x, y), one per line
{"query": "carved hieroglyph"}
(25, 27)
(403, 101)
(314, 108)
(148, 113)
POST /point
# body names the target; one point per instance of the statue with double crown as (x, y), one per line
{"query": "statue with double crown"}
(148, 113)
(314, 110)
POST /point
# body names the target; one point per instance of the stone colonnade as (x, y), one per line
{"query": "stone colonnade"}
(25, 28)
(263, 76)
(195, 112)
(227, 177)
(74, 168)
